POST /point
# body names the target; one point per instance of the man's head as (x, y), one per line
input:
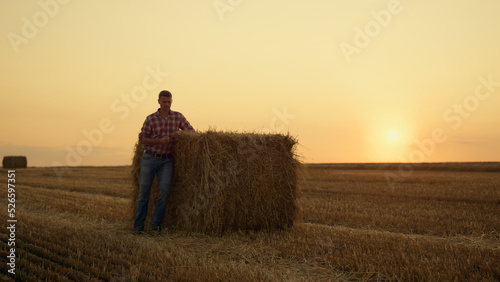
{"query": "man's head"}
(164, 93)
(165, 100)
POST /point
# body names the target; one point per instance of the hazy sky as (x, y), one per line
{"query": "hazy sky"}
(354, 81)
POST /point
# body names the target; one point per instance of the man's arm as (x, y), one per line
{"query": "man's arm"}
(146, 131)
(184, 126)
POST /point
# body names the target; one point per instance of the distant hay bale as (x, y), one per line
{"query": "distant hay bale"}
(229, 181)
(14, 162)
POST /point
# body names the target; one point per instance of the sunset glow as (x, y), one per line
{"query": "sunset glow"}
(392, 135)
(353, 81)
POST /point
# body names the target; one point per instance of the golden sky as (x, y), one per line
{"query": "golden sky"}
(354, 81)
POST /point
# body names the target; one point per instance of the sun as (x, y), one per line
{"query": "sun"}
(392, 135)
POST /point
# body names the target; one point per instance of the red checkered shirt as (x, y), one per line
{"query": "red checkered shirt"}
(155, 127)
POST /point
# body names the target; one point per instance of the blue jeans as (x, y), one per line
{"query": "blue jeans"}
(164, 170)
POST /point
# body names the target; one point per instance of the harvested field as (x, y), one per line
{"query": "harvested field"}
(439, 224)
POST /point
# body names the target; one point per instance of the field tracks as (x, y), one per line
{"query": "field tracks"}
(437, 225)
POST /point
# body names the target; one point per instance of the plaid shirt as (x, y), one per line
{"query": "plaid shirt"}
(155, 127)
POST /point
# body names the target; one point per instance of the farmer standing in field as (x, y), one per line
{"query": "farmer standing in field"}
(156, 134)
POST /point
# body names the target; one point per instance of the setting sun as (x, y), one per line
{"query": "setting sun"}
(392, 135)
(377, 84)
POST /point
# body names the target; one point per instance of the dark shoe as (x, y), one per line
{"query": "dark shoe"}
(156, 230)
(138, 232)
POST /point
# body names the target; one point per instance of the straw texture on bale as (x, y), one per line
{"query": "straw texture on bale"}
(229, 181)
(14, 162)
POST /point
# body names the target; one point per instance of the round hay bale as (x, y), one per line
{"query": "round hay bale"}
(14, 162)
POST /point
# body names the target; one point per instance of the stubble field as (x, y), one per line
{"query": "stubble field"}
(438, 222)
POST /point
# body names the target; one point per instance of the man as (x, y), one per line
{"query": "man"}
(156, 134)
